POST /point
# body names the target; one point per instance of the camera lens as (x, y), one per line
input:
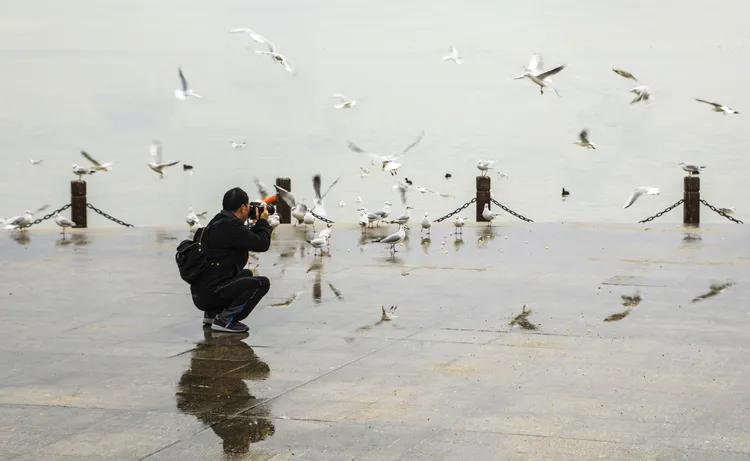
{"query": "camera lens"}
(271, 209)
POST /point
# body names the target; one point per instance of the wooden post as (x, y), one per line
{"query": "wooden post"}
(691, 209)
(483, 195)
(78, 203)
(283, 210)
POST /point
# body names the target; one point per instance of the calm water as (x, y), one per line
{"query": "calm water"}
(100, 75)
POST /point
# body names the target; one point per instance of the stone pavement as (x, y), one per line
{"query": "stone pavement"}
(104, 356)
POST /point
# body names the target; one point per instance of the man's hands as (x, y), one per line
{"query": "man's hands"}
(263, 214)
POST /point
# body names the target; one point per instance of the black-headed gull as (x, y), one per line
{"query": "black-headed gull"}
(81, 171)
(484, 166)
(624, 73)
(395, 238)
(98, 166)
(23, 221)
(318, 208)
(642, 93)
(489, 215)
(426, 223)
(279, 59)
(184, 91)
(535, 74)
(583, 140)
(389, 163)
(691, 169)
(638, 191)
(458, 223)
(63, 222)
(453, 55)
(157, 163)
(403, 218)
(387, 315)
(718, 107)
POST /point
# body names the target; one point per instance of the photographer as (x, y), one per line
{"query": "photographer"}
(226, 292)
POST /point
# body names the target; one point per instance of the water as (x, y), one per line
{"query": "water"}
(101, 76)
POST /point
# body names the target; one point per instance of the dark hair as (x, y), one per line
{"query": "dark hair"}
(234, 199)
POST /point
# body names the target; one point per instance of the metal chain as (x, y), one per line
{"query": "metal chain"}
(325, 220)
(111, 218)
(49, 215)
(663, 212)
(454, 212)
(519, 216)
(721, 212)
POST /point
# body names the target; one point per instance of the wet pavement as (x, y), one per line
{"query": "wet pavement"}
(517, 342)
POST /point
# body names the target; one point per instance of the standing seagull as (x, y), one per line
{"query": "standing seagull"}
(718, 107)
(458, 223)
(184, 91)
(278, 58)
(157, 164)
(484, 165)
(80, 171)
(535, 74)
(395, 238)
(343, 101)
(624, 73)
(642, 93)
(426, 224)
(692, 169)
(489, 215)
(97, 166)
(640, 191)
(583, 140)
(389, 163)
(453, 56)
(63, 222)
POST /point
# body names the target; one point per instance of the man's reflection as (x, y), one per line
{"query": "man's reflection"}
(214, 388)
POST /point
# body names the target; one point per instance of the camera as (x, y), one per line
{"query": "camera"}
(256, 208)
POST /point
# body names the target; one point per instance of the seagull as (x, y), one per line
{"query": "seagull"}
(403, 218)
(36, 162)
(489, 215)
(278, 58)
(23, 221)
(448, 176)
(274, 220)
(255, 36)
(718, 107)
(299, 212)
(583, 140)
(395, 238)
(238, 144)
(692, 169)
(344, 102)
(80, 171)
(308, 219)
(387, 315)
(318, 209)
(534, 73)
(286, 196)
(389, 163)
(458, 223)
(642, 93)
(63, 222)
(326, 233)
(364, 172)
(402, 189)
(728, 210)
(624, 74)
(184, 91)
(192, 219)
(317, 243)
(426, 224)
(97, 166)
(638, 191)
(484, 165)
(157, 164)
(453, 56)
(503, 174)
(363, 220)
(385, 212)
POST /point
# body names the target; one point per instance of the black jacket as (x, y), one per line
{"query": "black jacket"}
(227, 244)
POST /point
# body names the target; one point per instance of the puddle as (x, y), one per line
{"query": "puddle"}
(522, 320)
(714, 290)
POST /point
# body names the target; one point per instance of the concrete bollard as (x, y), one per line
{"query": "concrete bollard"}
(283, 210)
(78, 203)
(691, 208)
(483, 195)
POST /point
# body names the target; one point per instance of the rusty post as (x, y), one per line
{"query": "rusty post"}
(691, 209)
(285, 213)
(78, 203)
(483, 195)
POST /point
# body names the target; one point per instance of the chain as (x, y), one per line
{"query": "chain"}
(721, 212)
(454, 212)
(519, 216)
(111, 218)
(663, 212)
(49, 215)
(325, 220)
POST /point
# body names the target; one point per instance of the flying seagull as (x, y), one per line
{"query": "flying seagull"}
(255, 36)
(97, 165)
(625, 74)
(642, 93)
(278, 58)
(343, 101)
(718, 107)
(453, 56)
(638, 191)
(583, 140)
(535, 74)
(35, 162)
(157, 164)
(184, 91)
(389, 163)
(238, 144)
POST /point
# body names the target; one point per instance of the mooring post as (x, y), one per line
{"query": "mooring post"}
(691, 208)
(483, 195)
(78, 203)
(285, 213)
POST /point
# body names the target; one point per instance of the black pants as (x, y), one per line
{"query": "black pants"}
(233, 300)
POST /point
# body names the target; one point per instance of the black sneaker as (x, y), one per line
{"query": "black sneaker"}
(233, 327)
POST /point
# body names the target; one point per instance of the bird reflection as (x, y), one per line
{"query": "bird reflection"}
(426, 244)
(73, 239)
(485, 235)
(21, 237)
(214, 388)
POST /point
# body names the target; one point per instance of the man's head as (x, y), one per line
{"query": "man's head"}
(236, 201)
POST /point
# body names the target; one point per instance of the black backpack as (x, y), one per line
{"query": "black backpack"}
(191, 258)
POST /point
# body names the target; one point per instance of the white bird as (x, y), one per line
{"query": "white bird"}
(453, 56)
(97, 165)
(624, 73)
(193, 219)
(63, 222)
(535, 74)
(389, 163)
(638, 191)
(318, 243)
(583, 140)
(318, 208)
(274, 220)
(426, 223)
(363, 220)
(642, 93)
(692, 169)
(278, 58)
(343, 101)
(719, 107)
(503, 174)
(364, 172)
(157, 163)
(384, 212)
(387, 315)
(484, 166)
(238, 144)
(728, 210)
(19, 222)
(81, 171)
(458, 223)
(36, 162)
(403, 218)
(489, 215)
(326, 232)
(255, 36)
(286, 196)
(298, 213)
(308, 219)
(395, 238)
(184, 91)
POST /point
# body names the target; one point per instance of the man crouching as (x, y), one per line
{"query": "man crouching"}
(225, 291)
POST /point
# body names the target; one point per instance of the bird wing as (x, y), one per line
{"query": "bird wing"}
(164, 165)
(316, 188)
(261, 188)
(550, 72)
(155, 151)
(412, 145)
(715, 104)
(584, 136)
(535, 64)
(183, 80)
(624, 73)
(633, 197)
(90, 158)
(41, 208)
(355, 148)
(286, 196)
(330, 187)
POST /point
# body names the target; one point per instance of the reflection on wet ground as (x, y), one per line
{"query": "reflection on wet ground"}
(73, 239)
(213, 390)
(163, 236)
(617, 316)
(21, 237)
(713, 290)
(629, 302)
